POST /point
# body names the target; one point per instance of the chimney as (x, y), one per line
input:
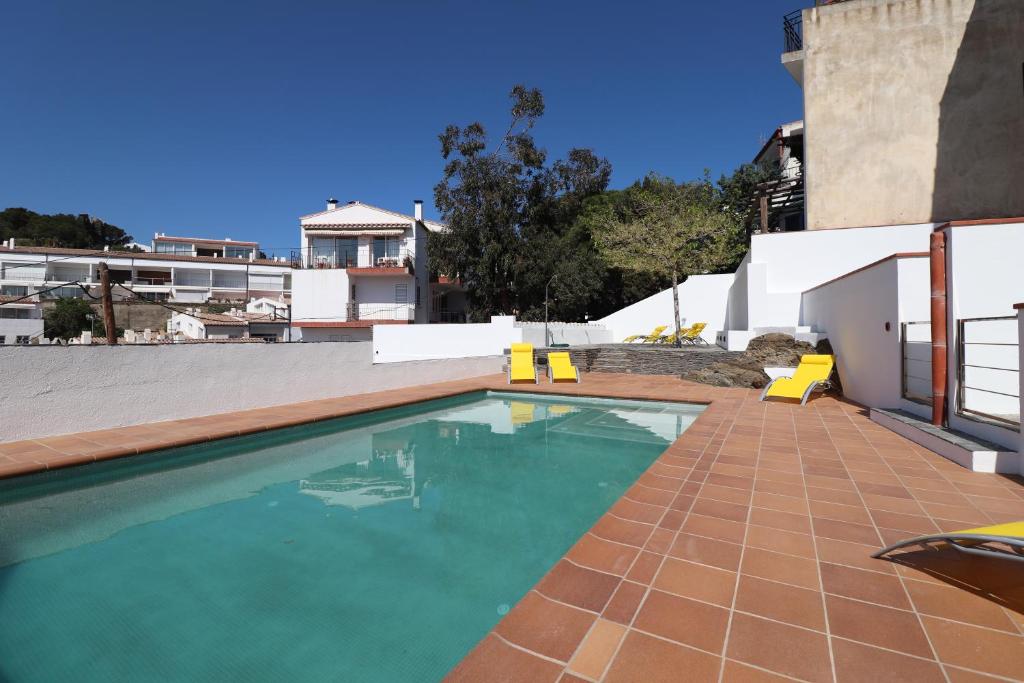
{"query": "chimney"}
(417, 209)
(332, 204)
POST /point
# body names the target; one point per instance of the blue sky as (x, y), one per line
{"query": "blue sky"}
(202, 118)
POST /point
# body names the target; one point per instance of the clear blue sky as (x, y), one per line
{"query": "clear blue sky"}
(196, 118)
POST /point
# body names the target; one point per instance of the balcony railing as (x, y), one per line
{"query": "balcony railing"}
(793, 31)
(988, 370)
(360, 311)
(321, 258)
(916, 354)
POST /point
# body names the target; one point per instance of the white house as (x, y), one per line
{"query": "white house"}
(21, 320)
(166, 276)
(361, 266)
(234, 324)
(203, 246)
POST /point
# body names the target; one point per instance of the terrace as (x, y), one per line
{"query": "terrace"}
(742, 553)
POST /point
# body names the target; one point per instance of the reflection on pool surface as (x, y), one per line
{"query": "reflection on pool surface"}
(378, 547)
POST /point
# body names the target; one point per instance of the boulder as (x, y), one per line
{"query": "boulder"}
(776, 350)
(738, 372)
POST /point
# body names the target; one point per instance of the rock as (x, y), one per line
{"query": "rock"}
(777, 350)
(737, 372)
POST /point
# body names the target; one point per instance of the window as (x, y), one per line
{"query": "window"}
(18, 313)
(237, 252)
(21, 339)
(14, 290)
(3, 339)
(172, 248)
(402, 294)
(384, 249)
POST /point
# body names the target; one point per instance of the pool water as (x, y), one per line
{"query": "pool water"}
(378, 547)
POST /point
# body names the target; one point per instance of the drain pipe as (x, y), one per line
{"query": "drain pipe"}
(937, 257)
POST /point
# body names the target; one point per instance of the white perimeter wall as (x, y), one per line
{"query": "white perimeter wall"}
(319, 294)
(702, 298)
(572, 334)
(399, 343)
(48, 390)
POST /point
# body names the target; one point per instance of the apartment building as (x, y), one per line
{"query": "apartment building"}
(164, 276)
(201, 246)
(21, 320)
(361, 265)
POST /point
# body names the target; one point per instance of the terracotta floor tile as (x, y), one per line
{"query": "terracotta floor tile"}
(708, 551)
(781, 602)
(578, 586)
(596, 553)
(776, 487)
(686, 621)
(624, 603)
(757, 641)
(721, 510)
(914, 525)
(646, 659)
(976, 648)
(852, 555)
(884, 490)
(856, 662)
(832, 496)
(568, 677)
(622, 531)
(725, 494)
(780, 503)
(735, 672)
(594, 654)
(845, 531)
(696, 581)
(642, 494)
(841, 513)
(787, 521)
(876, 625)
(957, 604)
(795, 571)
(714, 527)
(493, 660)
(637, 512)
(545, 627)
(785, 542)
(881, 589)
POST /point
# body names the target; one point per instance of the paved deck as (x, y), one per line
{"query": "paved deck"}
(743, 553)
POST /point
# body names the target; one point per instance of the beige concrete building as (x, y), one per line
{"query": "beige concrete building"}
(914, 110)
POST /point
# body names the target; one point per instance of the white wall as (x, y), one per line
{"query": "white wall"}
(984, 280)
(12, 328)
(83, 388)
(702, 298)
(572, 334)
(398, 343)
(319, 294)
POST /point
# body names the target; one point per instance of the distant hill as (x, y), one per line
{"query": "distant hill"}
(29, 228)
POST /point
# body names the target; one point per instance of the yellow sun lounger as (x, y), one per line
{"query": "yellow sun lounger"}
(646, 338)
(814, 371)
(561, 369)
(521, 367)
(974, 541)
(687, 335)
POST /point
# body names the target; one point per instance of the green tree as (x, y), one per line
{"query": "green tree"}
(668, 230)
(70, 317)
(60, 230)
(509, 215)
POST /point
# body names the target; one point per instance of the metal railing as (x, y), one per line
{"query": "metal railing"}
(916, 361)
(360, 311)
(793, 31)
(988, 370)
(327, 257)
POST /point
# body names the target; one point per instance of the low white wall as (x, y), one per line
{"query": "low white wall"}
(319, 294)
(400, 343)
(12, 328)
(572, 334)
(702, 298)
(854, 311)
(48, 390)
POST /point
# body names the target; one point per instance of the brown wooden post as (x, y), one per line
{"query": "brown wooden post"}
(764, 213)
(937, 254)
(107, 303)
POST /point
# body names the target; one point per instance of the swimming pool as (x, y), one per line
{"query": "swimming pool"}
(377, 547)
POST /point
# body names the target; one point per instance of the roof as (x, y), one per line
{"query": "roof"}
(204, 240)
(347, 323)
(142, 256)
(433, 226)
(240, 318)
(17, 300)
(357, 226)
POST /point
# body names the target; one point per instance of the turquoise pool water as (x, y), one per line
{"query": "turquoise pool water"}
(379, 547)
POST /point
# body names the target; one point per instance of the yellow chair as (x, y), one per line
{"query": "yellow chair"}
(521, 367)
(646, 338)
(561, 369)
(692, 335)
(814, 371)
(973, 541)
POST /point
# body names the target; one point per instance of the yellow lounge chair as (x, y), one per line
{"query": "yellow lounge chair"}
(973, 541)
(561, 369)
(521, 367)
(692, 335)
(646, 338)
(814, 371)
(671, 338)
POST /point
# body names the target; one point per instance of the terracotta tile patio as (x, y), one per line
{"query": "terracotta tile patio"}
(742, 554)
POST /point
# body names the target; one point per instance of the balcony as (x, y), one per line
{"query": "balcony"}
(362, 261)
(379, 312)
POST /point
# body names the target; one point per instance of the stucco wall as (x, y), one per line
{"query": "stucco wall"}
(401, 343)
(913, 111)
(48, 390)
(573, 334)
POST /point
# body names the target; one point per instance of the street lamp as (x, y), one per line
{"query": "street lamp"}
(92, 323)
(546, 343)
